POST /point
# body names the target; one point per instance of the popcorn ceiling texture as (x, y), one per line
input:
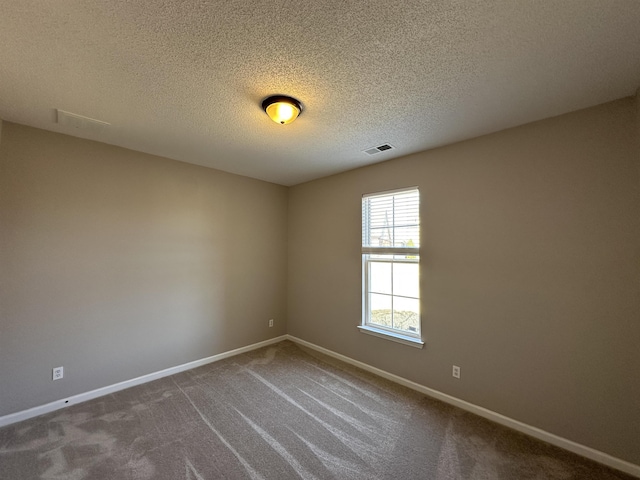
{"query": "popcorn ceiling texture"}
(185, 79)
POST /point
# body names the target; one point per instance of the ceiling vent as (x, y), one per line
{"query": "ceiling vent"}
(81, 123)
(379, 149)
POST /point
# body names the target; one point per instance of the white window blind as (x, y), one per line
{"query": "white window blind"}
(391, 221)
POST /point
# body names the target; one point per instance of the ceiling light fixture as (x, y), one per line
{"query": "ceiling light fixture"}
(282, 109)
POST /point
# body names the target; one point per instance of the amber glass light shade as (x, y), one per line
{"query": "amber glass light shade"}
(282, 109)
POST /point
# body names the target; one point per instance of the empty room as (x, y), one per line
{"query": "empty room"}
(320, 240)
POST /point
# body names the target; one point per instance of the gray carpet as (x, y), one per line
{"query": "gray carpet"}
(276, 413)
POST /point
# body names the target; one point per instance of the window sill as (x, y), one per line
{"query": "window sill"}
(394, 337)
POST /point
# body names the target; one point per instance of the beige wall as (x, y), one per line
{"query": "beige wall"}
(116, 264)
(530, 273)
(637, 98)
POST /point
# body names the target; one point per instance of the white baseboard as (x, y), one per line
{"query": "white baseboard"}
(569, 445)
(83, 397)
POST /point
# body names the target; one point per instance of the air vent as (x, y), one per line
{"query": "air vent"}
(379, 149)
(79, 122)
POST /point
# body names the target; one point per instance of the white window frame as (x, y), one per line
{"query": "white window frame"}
(389, 333)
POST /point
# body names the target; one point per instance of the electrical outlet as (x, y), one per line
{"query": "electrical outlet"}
(58, 373)
(271, 322)
(456, 371)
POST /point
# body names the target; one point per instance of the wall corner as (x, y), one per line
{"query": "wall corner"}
(637, 129)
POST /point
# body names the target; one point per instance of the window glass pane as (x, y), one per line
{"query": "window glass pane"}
(380, 277)
(406, 314)
(380, 309)
(406, 279)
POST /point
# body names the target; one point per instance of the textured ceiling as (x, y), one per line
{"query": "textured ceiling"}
(185, 79)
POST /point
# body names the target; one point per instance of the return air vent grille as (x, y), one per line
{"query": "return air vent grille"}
(74, 120)
(379, 149)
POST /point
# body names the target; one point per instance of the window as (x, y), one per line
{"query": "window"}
(391, 265)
